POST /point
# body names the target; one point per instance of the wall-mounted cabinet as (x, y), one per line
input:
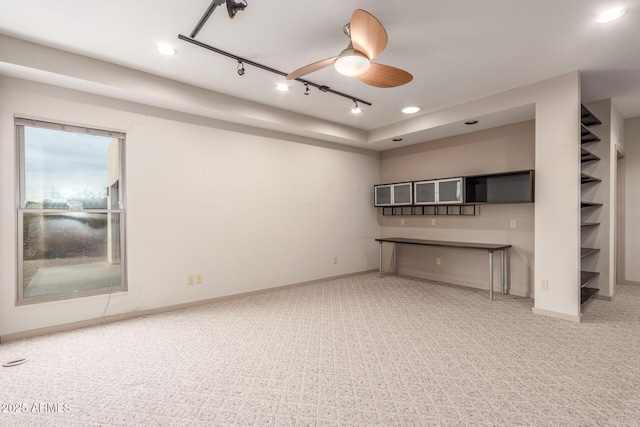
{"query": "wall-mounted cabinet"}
(510, 187)
(442, 191)
(400, 194)
(435, 196)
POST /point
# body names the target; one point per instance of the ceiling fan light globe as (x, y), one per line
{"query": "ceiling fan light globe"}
(352, 63)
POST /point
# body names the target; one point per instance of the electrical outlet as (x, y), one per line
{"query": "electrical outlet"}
(335, 259)
(433, 221)
(514, 224)
(438, 261)
(401, 221)
(198, 278)
(190, 279)
(544, 285)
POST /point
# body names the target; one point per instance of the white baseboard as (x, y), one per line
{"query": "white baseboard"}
(557, 315)
(445, 280)
(519, 293)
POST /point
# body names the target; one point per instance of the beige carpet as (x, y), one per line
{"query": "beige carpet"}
(358, 351)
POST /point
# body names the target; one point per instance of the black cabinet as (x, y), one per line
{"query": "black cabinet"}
(508, 187)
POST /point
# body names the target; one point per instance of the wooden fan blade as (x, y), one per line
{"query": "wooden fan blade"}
(307, 69)
(379, 75)
(367, 33)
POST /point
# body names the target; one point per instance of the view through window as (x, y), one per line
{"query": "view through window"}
(70, 213)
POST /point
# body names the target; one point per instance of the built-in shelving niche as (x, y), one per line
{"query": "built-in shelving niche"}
(587, 252)
(586, 156)
(589, 224)
(588, 279)
(588, 179)
(586, 136)
(586, 293)
(586, 205)
(587, 118)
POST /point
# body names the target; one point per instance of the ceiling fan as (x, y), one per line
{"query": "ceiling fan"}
(368, 38)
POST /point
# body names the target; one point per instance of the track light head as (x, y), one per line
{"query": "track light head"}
(240, 68)
(233, 7)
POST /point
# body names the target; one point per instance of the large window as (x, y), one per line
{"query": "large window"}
(70, 211)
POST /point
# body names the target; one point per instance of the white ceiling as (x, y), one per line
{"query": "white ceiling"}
(457, 50)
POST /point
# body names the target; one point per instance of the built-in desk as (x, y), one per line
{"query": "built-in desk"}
(489, 247)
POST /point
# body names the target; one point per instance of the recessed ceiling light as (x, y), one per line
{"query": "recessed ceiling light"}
(610, 15)
(282, 87)
(411, 110)
(166, 49)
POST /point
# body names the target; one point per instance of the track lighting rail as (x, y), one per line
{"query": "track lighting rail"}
(239, 59)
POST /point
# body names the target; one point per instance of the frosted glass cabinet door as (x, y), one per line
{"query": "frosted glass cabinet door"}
(402, 194)
(425, 192)
(450, 190)
(393, 194)
(383, 195)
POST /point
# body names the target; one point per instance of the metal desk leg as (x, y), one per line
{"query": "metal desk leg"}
(502, 272)
(395, 259)
(380, 259)
(491, 274)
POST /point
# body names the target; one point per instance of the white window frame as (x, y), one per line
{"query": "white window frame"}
(21, 209)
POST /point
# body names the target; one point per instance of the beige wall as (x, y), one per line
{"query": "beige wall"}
(340, 213)
(502, 149)
(247, 210)
(632, 200)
